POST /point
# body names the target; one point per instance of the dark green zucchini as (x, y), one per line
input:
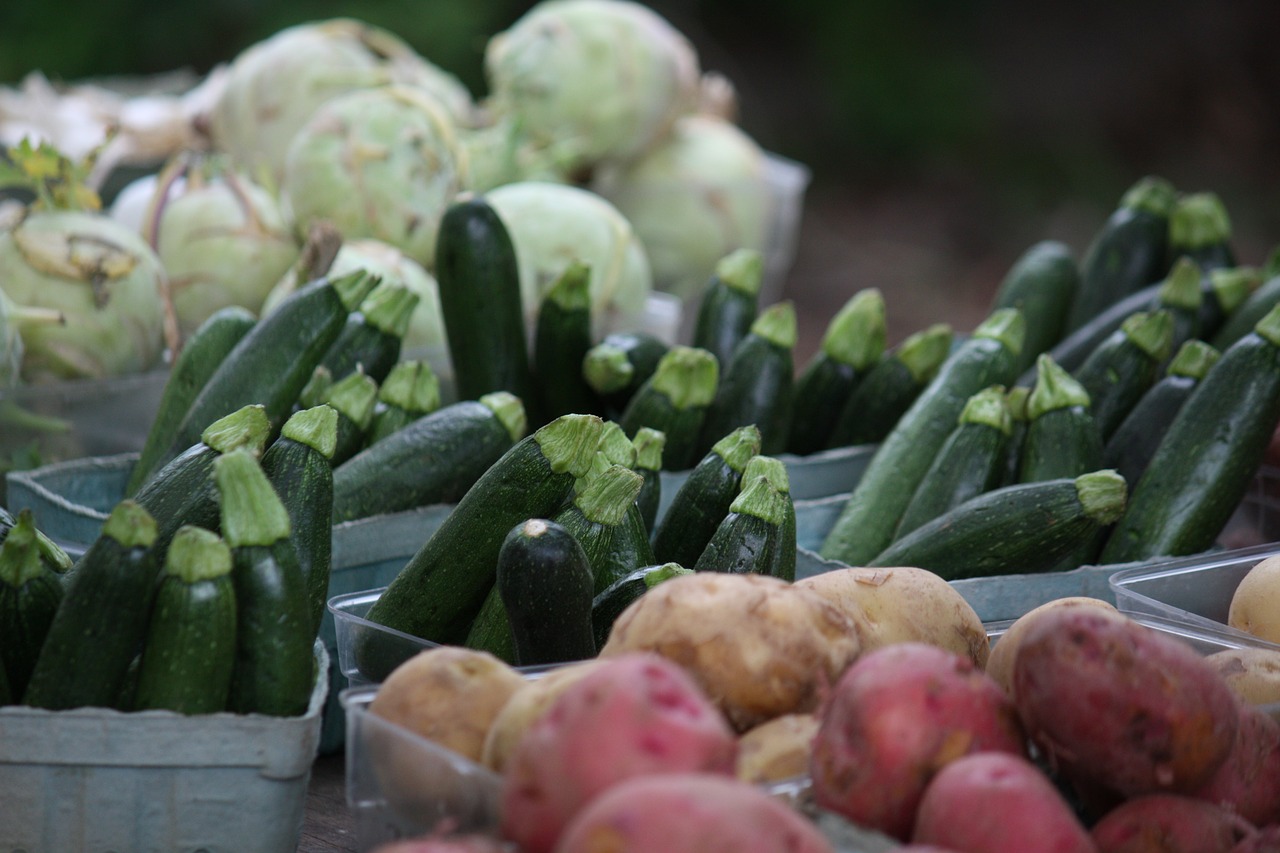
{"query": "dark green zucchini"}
(1124, 366)
(490, 630)
(190, 649)
(1016, 401)
(649, 443)
(869, 517)
(1241, 321)
(890, 387)
(30, 591)
(1018, 529)
(274, 671)
(729, 303)
(199, 357)
(852, 344)
(704, 497)
(1226, 289)
(411, 390)
(1129, 252)
(481, 302)
(101, 622)
(352, 397)
(435, 459)
(1199, 227)
(756, 384)
(603, 517)
(970, 461)
(1062, 438)
(373, 335)
(617, 366)
(1042, 284)
(675, 400)
(1203, 466)
(774, 470)
(562, 337)
(608, 605)
(299, 467)
(748, 537)
(544, 578)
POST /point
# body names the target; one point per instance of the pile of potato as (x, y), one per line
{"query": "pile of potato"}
(1081, 729)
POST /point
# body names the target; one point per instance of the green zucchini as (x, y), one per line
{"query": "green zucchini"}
(675, 400)
(649, 443)
(869, 517)
(617, 366)
(101, 622)
(603, 517)
(608, 605)
(199, 357)
(1183, 297)
(439, 591)
(1131, 446)
(1241, 321)
(1063, 439)
(1226, 289)
(748, 537)
(1199, 227)
(562, 337)
(1018, 529)
(410, 391)
(704, 497)
(372, 337)
(274, 670)
(1124, 366)
(729, 303)
(970, 461)
(30, 591)
(1016, 401)
(490, 630)
(1128, 253)
(756, 384)
(1042, 283)
(890, 387)
(352, 398)
(544, 578)
(299, 467)
(435, 459)
(190, 649)
(774, 470)
(1203, 465)
(852, 344)
(316, 391)
(480, 301)
(275, 359)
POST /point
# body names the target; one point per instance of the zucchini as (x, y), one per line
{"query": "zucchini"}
(1226, 289)
(352, 398)
(614, 449)
(439, 591)
(603, 517)
(1203, 466)
(756, 384)
(971, 460)
(1241, 321)
(852, 344)
(747, 539)
(31, 589)
(608, 605)
(275, 359)
(562, 337)
(1200, 228)
(1016, 400)
(1129, 251)
(675, 400)
(545, 582)
(190, 649)
(869, 517)
(1183, 297)
(1023, 528)
(774, 470)
(371, 338)
(274, 670)
(199, 357)
(410, 391)
(299, 467)
(729, 303)
(436, 459)
(1062, 438)
(101, 622)
(316, 391)
(617, 366)
(704, 498)
(480, 301)
(1124, 366)
(648, 443)
(490, 630)
(890, 387)
(1130, 447)
(1042, 284)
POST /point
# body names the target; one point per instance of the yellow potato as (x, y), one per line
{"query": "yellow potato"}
(900, 604)
(1253, 673)
(1000, 661)
(1255, 605)
(525, 706)
(778, 749)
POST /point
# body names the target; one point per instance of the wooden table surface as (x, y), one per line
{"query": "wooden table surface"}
(328, 826)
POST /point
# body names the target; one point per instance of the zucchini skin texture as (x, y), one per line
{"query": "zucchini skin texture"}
(649, 407)
(608, 604)
(1064, 442)
(562, 337)
(756, 388)
(642, 351)
(190, 650)
(742, 544)
(1042, 284)
(1134, 442)
(544, 579)
(874, 407)
(696, 510)
(360, 346)
(1116, 375)
(182, 492)
(303, 479)
(613, 551)
(971, 461)
(724, 319)
(26, 613)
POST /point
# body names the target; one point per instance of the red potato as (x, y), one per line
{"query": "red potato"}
(1248, 782)
(690, 813)
(1265, 840)
(897, 716)
(1120, 707)
(998, 802)
(1000, 661)
(1169, 823)
(637, 714)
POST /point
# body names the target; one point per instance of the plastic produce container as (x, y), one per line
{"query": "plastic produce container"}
(95, 779)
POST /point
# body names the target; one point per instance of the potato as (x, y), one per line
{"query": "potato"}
(778, 749)
(638, 714)
(1248, 782)
(997, 802)
(1168, 823)
(1253, 605)
(760, 647)
(525, 706)
(1000, 663)
(1265, 840)
(893, 605)
(448, 844)
(897, 715)
(1120, 706)
(690, 813)
(1253, 673)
